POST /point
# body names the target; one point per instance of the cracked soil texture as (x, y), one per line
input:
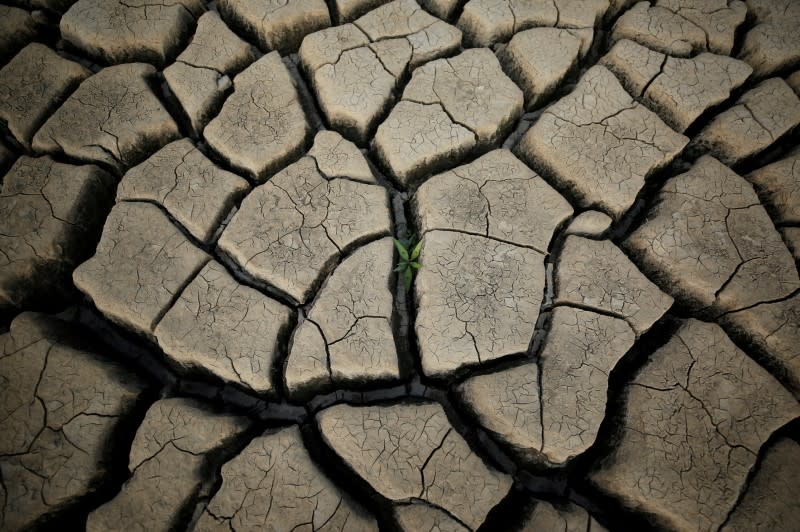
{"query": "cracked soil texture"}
(205, 323)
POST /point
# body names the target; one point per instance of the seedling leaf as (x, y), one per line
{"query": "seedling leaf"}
(401, 249)
(416, 250)
(407, 276)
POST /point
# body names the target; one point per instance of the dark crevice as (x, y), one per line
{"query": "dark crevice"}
(364, 396)
(762, 302)
(445, 111)
(61, 157)
(484, 235)
(707, 116)
(643, 93)
(4, 489)
(245, 278)
(477, 438)
(433, 452)
(403, 309)
(590, 308)
(408, 345)
(161, 90)
(308, 98)
(645, 201)
(779, 149)
(344, 477)
(115, 456)
(755, 348)
(607, 509)
(211, 471)
(791, 431)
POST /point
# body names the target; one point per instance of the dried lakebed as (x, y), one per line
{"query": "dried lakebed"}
(201, 322)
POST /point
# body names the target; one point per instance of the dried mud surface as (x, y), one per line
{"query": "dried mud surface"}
(201, 322)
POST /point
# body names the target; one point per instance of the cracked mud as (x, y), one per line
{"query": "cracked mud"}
(203, 325)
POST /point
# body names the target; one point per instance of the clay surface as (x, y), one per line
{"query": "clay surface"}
(404, 265)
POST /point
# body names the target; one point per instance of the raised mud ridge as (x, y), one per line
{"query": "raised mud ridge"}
(202, 325)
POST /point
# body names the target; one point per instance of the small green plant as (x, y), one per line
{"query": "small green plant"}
(409, 249)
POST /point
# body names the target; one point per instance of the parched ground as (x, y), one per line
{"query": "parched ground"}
(202, 321)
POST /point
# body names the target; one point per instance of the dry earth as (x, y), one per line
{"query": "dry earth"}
(201, 323)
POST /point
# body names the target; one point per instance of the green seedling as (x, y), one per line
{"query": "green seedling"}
(408, 259)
